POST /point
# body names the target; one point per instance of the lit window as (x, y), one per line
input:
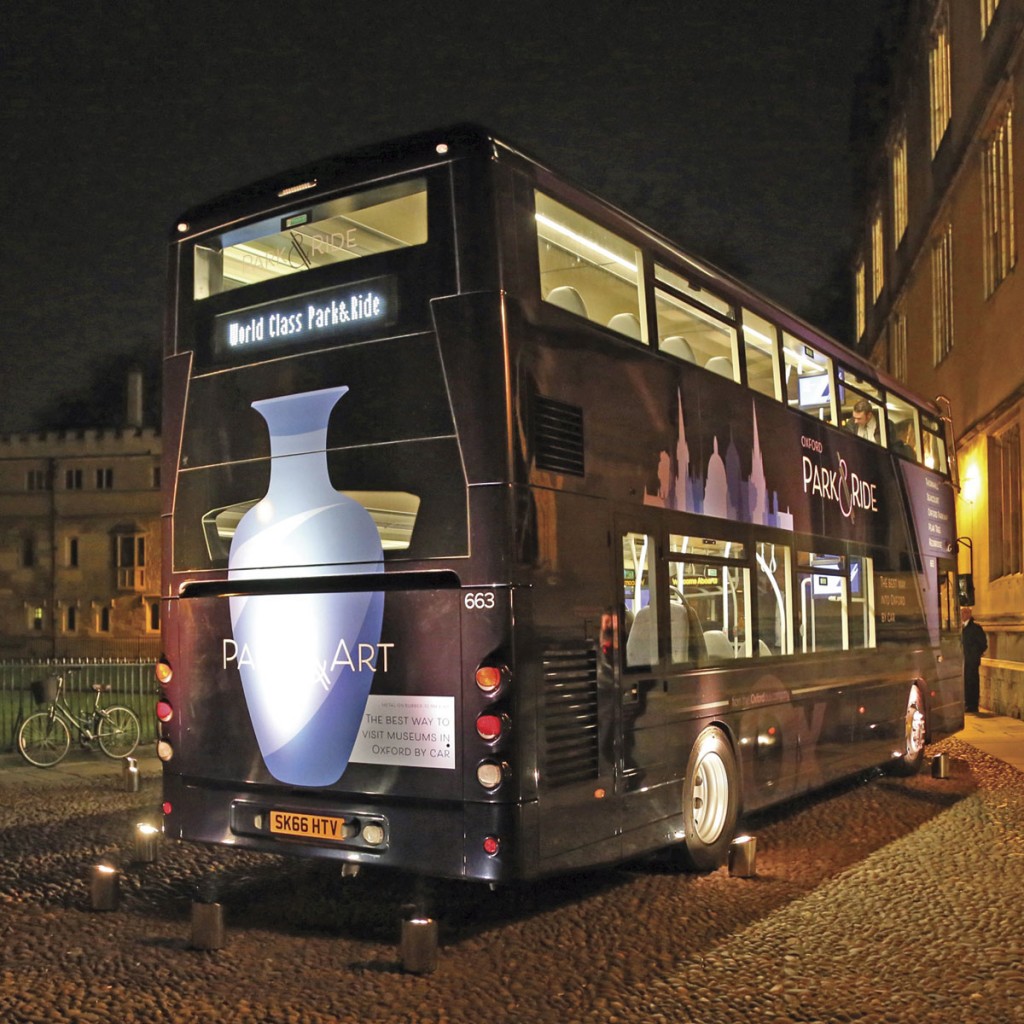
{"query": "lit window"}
(899, 188)
(877, 256)
(898, 345)
(939, 88)
(988, 11)
(942, 296)
(997, 203)
(588, 270)
(691, 324)
(860, 300)
(364, 224)
(808, 378)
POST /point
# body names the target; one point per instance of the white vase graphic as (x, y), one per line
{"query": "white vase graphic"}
(306, 659)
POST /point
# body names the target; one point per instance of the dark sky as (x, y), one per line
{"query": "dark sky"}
(724, 125)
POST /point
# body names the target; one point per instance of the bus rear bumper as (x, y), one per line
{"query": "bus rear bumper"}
(445, 840)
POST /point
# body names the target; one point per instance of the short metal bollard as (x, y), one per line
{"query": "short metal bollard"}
(419, 945)
(130, 775)
(147, 843)
(743, 857)
(104, 886)
(940, 766)
(207, 926)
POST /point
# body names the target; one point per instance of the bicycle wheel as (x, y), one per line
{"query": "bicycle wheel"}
(43, 739)
(117, 731)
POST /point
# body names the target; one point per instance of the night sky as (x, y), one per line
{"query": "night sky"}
(724, 125)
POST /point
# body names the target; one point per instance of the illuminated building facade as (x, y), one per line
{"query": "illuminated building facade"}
(80, 544)
(939, 297)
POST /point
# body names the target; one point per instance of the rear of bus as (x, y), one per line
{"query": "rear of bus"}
(336, 517)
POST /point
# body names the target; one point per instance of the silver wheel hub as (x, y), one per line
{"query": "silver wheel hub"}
(710, 806)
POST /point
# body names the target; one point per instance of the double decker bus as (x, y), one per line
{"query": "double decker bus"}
(504, 538)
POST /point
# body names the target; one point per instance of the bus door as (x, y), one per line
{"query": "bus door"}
(654, 628)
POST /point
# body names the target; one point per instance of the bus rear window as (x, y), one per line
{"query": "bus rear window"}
(349, 228)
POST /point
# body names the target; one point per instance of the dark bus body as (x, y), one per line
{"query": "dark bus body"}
(613, 587)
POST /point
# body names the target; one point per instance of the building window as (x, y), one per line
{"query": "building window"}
(997, 203)
(28, 551)
(36, 619)
(35, 480)
(103, 619)
(156, 476)
(899, 188)
(70, 619)
(130, 560)
(72, 552)
(153, 615)
(988, 12)
(104, 479)
(898, 345)
(939, 88)
(860, 300)
(877, 256)
(942, 296)
(1004, 502)
(72, 479)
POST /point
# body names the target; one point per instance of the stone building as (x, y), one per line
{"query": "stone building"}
(939, 296)
(80, 543)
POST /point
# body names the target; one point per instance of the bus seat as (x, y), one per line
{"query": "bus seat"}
(642, 642)
(718, 645)
(627, 324)
(678, 346)
(721, 365)
(568, 298)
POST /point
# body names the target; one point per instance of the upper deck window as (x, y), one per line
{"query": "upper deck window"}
(808, 378)
(861, 407)
(689, 324)
(373, 221)
(587, 269)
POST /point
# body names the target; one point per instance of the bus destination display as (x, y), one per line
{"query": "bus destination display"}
(299, 321)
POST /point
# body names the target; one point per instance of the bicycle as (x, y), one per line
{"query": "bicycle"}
(45, 736)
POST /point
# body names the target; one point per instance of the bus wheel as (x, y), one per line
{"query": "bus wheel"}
(710, 802)
(915, 727)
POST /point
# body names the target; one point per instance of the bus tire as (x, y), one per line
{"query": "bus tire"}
(711, 802)
(915, 729)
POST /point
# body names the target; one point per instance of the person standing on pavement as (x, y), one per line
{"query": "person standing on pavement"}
(974, 643)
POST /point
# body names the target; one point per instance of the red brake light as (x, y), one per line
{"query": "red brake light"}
(492, 844)
(488, 727)
(164, 711)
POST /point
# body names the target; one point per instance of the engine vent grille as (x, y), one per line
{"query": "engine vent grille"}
(570, 715)
(558, 436)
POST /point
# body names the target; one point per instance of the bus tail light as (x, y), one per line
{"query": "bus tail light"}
(489, 774)
(164, 751)
(164, 672)
(492, 845)
(490, 677)
(489, 727)
(164, 710)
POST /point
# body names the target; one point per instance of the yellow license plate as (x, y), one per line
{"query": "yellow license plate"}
(309, 826)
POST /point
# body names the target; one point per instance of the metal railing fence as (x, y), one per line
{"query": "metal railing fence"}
(132, 684)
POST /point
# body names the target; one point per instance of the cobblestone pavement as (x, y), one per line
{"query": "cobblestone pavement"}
(884, 900)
